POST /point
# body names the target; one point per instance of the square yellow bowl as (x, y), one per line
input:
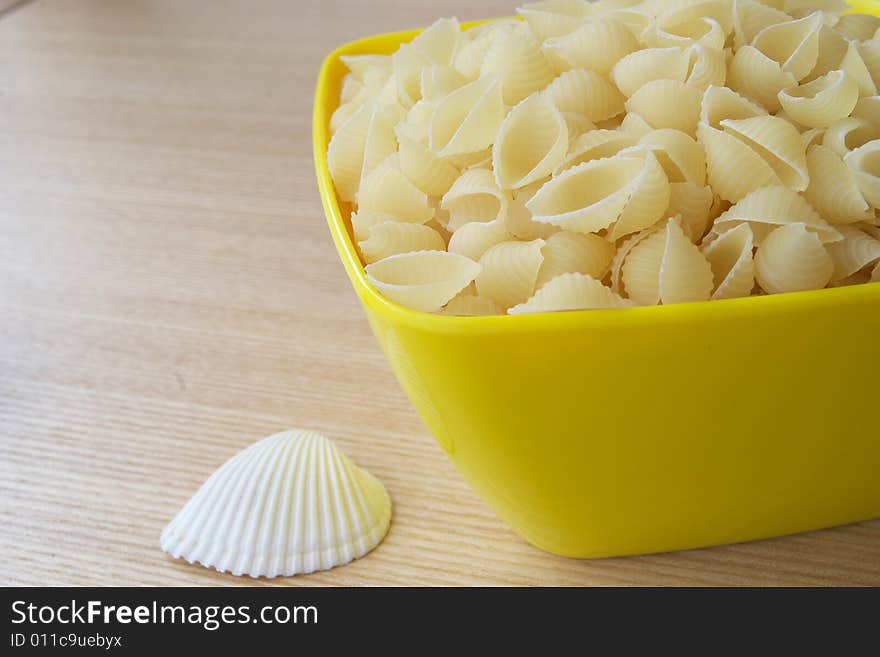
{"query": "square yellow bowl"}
(613, 432)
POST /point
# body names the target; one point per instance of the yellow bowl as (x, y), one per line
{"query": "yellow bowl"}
(613, 432)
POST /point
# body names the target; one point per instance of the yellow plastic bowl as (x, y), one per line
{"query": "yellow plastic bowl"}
(614, 432)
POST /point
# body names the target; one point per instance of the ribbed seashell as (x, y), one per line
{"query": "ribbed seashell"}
(833, 189)
(858, 27)
(565, 252)
(647, 202)
(733, 268)
(642, 66)
(770, 207)
(848, 134)
(793, 44)
(471, 305)
(342, 114)
(667, 104)
(531, 143)
(554, 18)
(587, 93)
(778, 142)
(519, 217)
(407, 63)
(467, 120)
(390, 238)
(721, 103)
(811, 137)
(708, 67)
(672, 31)
(291, 503)
(345, 154)
(667, 267)
(832, 9)
(388, 191)
(422, 280)
(632, 17)
(693, 204)
(352, 89)
(832, 48)
(750, 17)
(431, 174)
(623, 251)
(469, 59)
(509, 272)
(597, 45)
(757, 76)
(571, 291)
(475, 196)
(363, 66)
(792, 258)
(439, 81)
(855, 64)
(588, 197)
(363, 221)
(680, 155)
(864, 162)
(519, 64)
(635, 125)
(595, 145)
(473, 239)
(856, 251)
(823, 101)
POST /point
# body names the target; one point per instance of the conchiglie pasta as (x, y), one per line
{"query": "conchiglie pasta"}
(792, 258)
(423, 280)
(571, 291)
(390, 238)
(611, 153)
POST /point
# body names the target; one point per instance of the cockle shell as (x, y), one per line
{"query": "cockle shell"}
(291, 503)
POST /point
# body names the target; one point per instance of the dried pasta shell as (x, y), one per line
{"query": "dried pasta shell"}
(823, 101)
(642, 66)
(587, 93)
(750, 17)
(509, 272)
(856, 251)
(531, 143)
(869, 56)
(685, 274)
(473, 239)
(291, 503)
(345, 154)
(721, 103)
(833, 189)
(422, 280)
(666, 32)
(707, 67)
(635, 125)
(589, 197)
(363, 66)
(854, 65)
(467, 120)
(623, 251)
(647, 202)
(471, 305)
(571, 291)
(733, 268)
(390, 238)
(777, 142)
(566, 252)
(793, 44)
(680, 155)
(640, 273)
(769, 207)
(733, 169)
(519, 217)
(364, 220)
(388, 191)
(668, 104)
(424, 169)
(554, 18)
(597, 45)
(864, 162)
(342, 114)
(693, 204)
(595, 145)
(811, 137)
(439, 81)
(868, 109)
(577, 124)
(848, 134)
(754, 74)
(792, 258)
(858, 27)
(519, 64)
(832, 48)
(475, 196)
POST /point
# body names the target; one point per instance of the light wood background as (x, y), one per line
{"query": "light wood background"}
(169, 293)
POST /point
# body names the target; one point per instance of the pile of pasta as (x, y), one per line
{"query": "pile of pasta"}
(616, 153)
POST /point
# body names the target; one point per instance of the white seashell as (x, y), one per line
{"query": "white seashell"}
(668, 104)
(792, 259)
(823, 101)
(693, 204)
(793, 44)
(471, 305)
(585, 92)
(863, 162)
(467, 119)
(510, 271)
(392, 237)
(566, 252)
(733, 268)
(597, 45)
(518, 62)
(833, 189)
(571, 291)
(757, 76)
(642, 66)
(291, 503)
(750, 17)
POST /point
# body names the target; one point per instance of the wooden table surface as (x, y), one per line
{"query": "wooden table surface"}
(169, 293)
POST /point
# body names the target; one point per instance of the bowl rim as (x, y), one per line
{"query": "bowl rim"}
(326, 101)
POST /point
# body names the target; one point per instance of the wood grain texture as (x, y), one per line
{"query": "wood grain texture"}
(169, 293)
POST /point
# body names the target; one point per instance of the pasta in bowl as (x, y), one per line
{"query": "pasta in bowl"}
(555, 176)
